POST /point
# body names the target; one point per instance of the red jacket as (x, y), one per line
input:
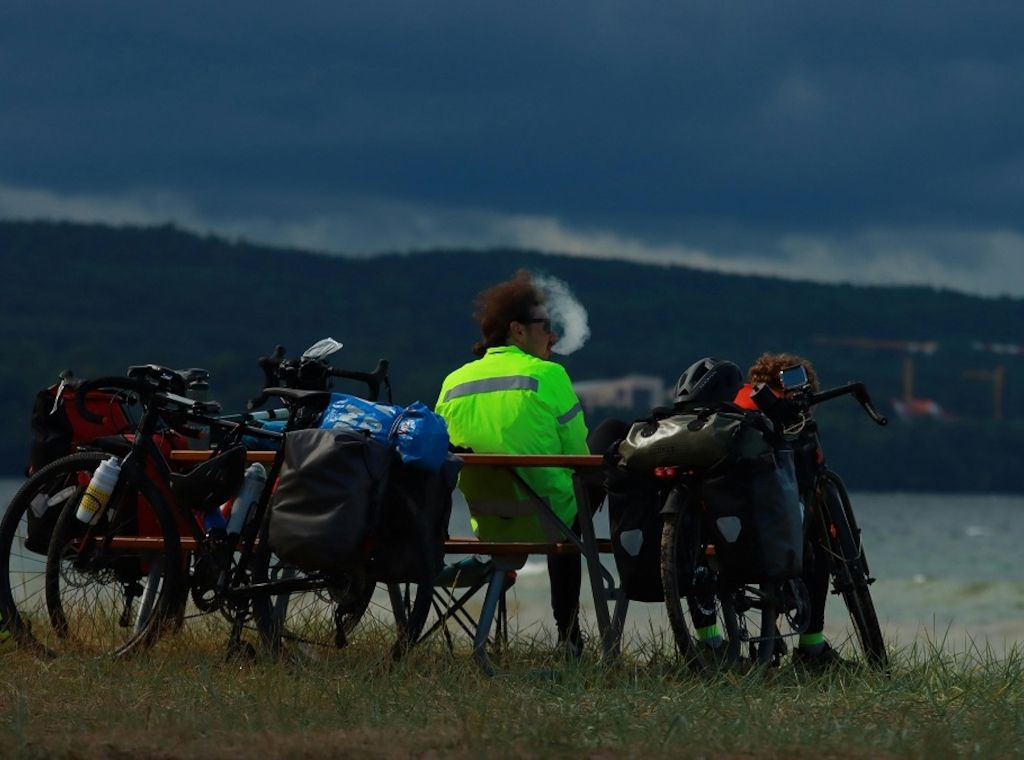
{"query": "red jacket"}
(743, 397)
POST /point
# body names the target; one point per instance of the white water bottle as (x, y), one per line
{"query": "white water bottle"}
(248, 495)
(97, 494)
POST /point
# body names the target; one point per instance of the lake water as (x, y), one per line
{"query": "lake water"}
(949, 567)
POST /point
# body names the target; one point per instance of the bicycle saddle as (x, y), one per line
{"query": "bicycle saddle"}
(296, 397)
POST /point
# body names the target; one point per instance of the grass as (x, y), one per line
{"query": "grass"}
(182, 700)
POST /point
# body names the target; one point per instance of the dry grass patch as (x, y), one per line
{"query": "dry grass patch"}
(181, 702)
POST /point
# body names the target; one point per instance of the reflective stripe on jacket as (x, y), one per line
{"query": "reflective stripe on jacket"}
(509, 402)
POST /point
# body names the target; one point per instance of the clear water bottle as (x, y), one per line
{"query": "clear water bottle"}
(252, 487)
(97, 494)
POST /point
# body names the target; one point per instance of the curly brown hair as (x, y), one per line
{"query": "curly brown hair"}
(500, 305)
(767, 367)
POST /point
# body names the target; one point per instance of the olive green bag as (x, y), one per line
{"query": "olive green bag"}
(697, 437)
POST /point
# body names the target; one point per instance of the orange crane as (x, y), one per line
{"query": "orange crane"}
(909, 347)
(996, 375)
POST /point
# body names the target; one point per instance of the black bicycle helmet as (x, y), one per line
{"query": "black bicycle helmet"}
(709, 380)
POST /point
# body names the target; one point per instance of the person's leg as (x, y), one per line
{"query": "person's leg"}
(815, 577)
(566, 571)
(813, 651)
(705, 621)
(566, 574)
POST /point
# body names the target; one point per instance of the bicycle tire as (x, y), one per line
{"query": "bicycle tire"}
(848, 568)
(305, 623)
(22, 570)
(94, 576)
(311, 624)
(750, 619)
(681, 544)
(411, 604)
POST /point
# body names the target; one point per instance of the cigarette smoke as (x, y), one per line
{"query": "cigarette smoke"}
(567, 314)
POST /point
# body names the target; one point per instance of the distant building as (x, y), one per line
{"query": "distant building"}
(629, 392)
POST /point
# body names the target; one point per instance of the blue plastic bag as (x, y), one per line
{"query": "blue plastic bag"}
(421, 437)
(354, 413)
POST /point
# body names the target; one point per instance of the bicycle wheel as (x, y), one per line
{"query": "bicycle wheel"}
(759, 619)
(111, 587)
(750, 620)
(411, 605)
(685, 574)
(308, 622)
(23, 559)
(848, 566)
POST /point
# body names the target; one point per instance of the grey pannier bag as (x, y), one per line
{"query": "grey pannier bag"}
(325, 509)
(699, 437)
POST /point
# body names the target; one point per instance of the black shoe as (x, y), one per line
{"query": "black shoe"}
(465, 573)
(571, 644)
(718, 659)
(824, 659)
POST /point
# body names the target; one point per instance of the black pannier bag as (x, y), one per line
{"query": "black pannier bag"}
(44, 510)
(413, 525)
(325, 510)
(634, 517)
(749, 484)
(51, 431)
(754, 512)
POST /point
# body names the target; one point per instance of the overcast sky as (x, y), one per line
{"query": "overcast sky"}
(866, 142)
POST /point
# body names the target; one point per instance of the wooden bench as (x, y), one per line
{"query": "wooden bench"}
(602, 583)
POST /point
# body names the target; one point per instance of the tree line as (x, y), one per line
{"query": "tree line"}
(96, 298)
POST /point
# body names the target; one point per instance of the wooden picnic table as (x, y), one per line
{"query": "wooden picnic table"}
(602, 583)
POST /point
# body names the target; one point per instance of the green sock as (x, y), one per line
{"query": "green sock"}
(812, 642)
(710, 636)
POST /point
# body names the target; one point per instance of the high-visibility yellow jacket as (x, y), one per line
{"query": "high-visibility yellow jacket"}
(509, 402)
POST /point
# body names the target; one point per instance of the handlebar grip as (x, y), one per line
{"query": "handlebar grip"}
(270, 366)
(865, 401)
(272, 362)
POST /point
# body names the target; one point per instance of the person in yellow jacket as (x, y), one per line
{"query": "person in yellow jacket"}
(514, 400)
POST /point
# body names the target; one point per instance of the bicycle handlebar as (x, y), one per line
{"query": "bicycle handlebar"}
(373, 379)
(272, 372)
(147, 388)
(858, 390)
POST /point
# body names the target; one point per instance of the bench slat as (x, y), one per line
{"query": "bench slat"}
(500, 460)
(460, 545)
(457, 545)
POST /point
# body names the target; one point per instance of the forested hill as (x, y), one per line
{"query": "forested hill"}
(96, 299)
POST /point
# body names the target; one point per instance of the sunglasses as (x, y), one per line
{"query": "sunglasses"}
(545, 321)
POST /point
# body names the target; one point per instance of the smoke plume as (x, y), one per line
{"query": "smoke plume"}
(567, 314)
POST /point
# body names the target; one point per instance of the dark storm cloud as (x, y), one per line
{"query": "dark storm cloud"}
(714, 124)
